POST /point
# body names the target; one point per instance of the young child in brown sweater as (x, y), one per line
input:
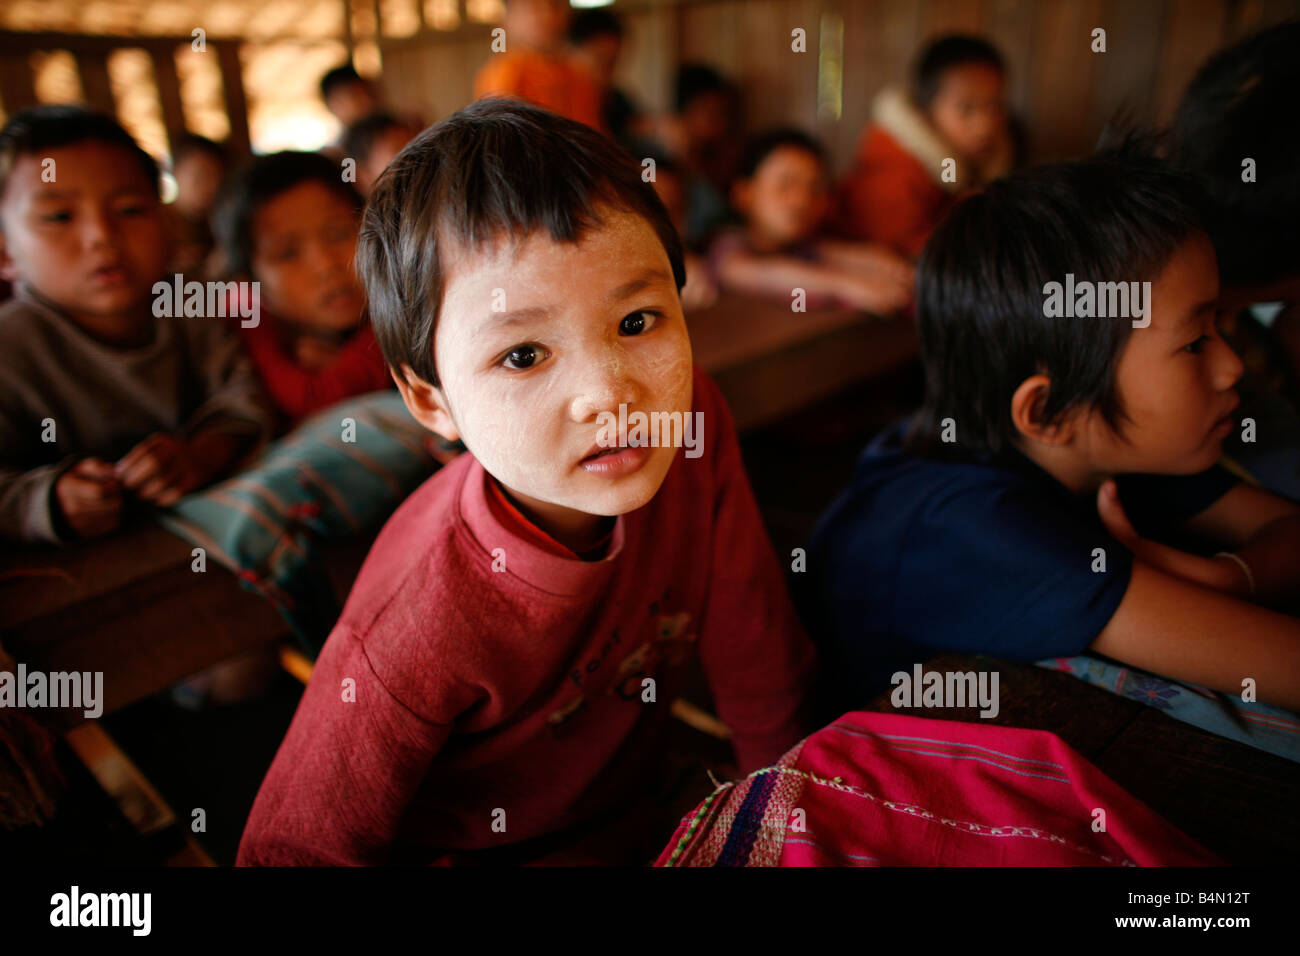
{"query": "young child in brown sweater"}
(102, 401)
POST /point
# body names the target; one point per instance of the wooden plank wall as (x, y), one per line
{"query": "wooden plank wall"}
(1062, 91)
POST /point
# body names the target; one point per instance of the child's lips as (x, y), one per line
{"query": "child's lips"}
(110, 276)
(613, 462)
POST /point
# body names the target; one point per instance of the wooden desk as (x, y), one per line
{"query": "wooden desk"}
(1233, 799)
(129, 605)
(771, 362)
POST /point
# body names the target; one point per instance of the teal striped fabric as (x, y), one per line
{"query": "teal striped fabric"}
(339, 474)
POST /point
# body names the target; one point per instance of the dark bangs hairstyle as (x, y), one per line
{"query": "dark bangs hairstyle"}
(36, 131)
(498, 167)
(979, 293)
(941, 55)
(255, 184)
(758, 149)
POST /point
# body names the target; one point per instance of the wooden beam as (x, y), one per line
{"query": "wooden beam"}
(169, 94)
(95, 83)
(17, 85)
(232, 87)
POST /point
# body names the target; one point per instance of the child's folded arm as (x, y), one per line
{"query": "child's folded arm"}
(1173, 627)
(358, 368)
(345, 776)
(1264, 528)
(230, 387)
(758, 660)
(27, 505)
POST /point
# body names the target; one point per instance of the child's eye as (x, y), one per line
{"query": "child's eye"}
(1196, 346)
(520, 358)
(61, 216)
(635, 323)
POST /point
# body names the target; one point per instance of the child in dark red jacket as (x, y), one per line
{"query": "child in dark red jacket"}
(501, 676)
(289, 222)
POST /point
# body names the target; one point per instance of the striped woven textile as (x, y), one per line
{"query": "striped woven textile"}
(894, 790)
(339, 474)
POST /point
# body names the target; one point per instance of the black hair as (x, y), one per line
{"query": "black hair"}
(337, 78)
(594, 23)
(191, 143)
(1236, 108)
(35, 131)
(941, 55)
(360, 137)
(765, 144)
(980, 293)
(695, 80)
(257, 183)
(497, 167)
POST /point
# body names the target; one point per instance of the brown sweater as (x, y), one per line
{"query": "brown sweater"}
(103, 400)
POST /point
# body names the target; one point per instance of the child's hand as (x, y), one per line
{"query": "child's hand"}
(874, 293)
(1221, 575)
(90, 497)
(161, 469)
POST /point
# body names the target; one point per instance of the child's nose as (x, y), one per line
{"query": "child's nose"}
(1229, 368)
(97, 229)
(604, 390)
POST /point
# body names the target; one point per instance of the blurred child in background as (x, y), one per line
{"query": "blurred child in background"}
(373, 142)
(289, 222)
(535, 66)
(104, 403)
(1230, 136)
(925, 147)
(783, 193)
(700, 291)
(198, 166)
(595, 42)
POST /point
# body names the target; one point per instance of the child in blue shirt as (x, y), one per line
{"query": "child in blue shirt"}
(1030, 509)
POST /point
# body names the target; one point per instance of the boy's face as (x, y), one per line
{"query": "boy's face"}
(786, 198)
(93, 241)
(198, 179)
(968, 109)
(352, 101)
(303, 243)
(1175, 378)
(382, 152)
(536, 340)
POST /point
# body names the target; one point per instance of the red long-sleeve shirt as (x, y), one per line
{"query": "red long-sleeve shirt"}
(516, 696)
(297, 392)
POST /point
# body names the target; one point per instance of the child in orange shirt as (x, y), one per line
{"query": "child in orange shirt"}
(953, 120)
(533, 67)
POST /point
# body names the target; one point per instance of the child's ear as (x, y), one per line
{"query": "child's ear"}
(425, 403)
(1027, 408)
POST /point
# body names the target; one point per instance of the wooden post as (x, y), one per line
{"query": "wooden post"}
(17, 85)
(95, 82)
(232, 86)
(169, 93)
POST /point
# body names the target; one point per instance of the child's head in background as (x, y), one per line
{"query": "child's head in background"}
(1083, 396)
(80, 219)
(537, 24)
(348, 95)
(199, 167)
(523, 279)
(959, 82)
(783, 189)
(1237, 109)
(596, 39)
(289, 222)
(705, 104)
(373, 142)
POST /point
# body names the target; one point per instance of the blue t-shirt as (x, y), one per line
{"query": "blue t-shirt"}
(919, 555)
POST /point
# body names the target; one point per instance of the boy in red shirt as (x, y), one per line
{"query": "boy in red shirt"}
(504, 666)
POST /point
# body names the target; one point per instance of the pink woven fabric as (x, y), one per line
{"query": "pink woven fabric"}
(892, 790)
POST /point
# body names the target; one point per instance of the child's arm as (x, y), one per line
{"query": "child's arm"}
(358, 368)
(866, 257)
(347, 771)
(1263, 528)
(1173, 627)
(757, 658)
(779, 276)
